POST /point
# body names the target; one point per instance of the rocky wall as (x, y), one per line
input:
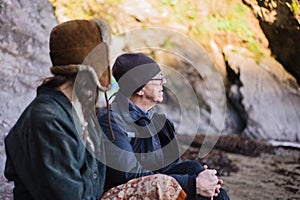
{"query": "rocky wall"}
(280, 21)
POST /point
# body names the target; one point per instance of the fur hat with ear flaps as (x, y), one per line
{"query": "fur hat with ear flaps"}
(81, 45)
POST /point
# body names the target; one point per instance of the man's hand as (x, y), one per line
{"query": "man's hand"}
(207, 183)
(217, 189)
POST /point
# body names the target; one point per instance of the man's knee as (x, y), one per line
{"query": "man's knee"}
(194, 167)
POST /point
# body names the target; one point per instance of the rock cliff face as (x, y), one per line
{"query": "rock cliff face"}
(270, 95)
(24, 31)
(267, 98)
(280, 21)
(25, 27)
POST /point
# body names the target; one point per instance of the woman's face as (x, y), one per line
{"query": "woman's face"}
(86, 91)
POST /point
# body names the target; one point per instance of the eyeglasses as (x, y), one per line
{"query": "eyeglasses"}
(162, 80)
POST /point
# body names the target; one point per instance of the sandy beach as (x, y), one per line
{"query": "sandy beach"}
(252, 169)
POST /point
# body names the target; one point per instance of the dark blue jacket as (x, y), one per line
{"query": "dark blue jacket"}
(144, 144)
(46, 157)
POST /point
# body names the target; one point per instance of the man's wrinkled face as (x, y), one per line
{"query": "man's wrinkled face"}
(153, 90)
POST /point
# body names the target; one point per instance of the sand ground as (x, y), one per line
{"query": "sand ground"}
(270, 174)
(265, 177)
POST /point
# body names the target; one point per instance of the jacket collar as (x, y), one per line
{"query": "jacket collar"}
(130, 111)
(59, 96)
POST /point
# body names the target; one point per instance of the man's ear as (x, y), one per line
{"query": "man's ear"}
(140, 92)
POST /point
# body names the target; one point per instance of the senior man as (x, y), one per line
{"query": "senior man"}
(144, 141)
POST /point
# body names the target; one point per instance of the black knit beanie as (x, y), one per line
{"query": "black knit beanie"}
(133, 70)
